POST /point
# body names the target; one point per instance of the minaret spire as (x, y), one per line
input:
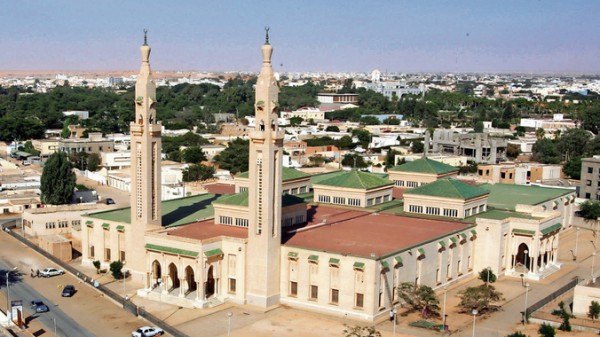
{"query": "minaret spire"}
(145, 37)
(267, 28)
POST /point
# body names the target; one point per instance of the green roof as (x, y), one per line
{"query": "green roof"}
(454, 240)
(171, 250)
(495, 214)
(293, 254)
(474, 232)
(317, 178)
(463, 235)
(241, 199)
(334, 261)
(287, 174)
(425, 165)
(359, 265)
(421, 251)
(443, 244)
(314, 257)
(356, 179)
(523, 231)
(448, 188)
(551, 228)
(89, 222)
(105, 225)
(213, 252)
(237, 199)
(175, 212)
(507, 196)
(385, 264)
(120, 227)
(398, 259)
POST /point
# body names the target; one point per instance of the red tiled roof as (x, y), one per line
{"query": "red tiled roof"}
(362, 233)
(219, 188)
(208, 229)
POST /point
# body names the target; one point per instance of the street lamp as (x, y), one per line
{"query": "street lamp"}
(593, 260)
(525, 311)
(8, 311)
(576, 243)
(394, 321)
(444, 312)
(522, 281)
(474, 312)
(229, 314)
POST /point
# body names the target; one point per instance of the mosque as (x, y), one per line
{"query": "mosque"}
(342, 252)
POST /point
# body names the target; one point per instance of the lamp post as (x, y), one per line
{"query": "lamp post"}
(394, 321)
(576, 243)
(474, 312)
(8, 311)
(444, 311)
(593, 260)
(229, 314)
(525, 311)
(54, 319)
(522, 281)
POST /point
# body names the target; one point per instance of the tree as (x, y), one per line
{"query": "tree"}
(590, 210)
(417, 146)
(58, 180)
(116, 269)
(354, 160)
(572, 168)
(93, 161)
(235, 157)
(332, 128)
(193, 155)
(540, 133)
(513, 150)
(594, 310)
(28, 147)
(317, 160)
(487, 275)
(545, 152)
(198, 172)
(361, 331)
(564, 315)
(480, 298)
(517, 334)
(573, 143)
(294, 121)
(478, 128)
(546, 330)
(419, 297)
(97, 266)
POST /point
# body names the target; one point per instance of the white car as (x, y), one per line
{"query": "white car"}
(48, 272)
(148, 331)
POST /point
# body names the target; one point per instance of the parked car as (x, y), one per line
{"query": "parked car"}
(68, 291)
(48, 272)
(110, 201)
(39, 306)
(148, 331)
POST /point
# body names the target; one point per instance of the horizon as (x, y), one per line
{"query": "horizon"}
(456, 37)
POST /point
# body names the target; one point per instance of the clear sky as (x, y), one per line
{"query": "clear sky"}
(307, 35)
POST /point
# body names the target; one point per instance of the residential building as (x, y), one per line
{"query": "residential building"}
(589, 184)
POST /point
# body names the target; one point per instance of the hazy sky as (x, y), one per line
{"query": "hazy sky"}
(307, 35)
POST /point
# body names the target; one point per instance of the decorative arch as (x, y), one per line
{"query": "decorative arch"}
(210, 282)
(173, 277)
(524, 255)
(156, 272)
(190, 280)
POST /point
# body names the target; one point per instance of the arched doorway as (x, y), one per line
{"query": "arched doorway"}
(189, 278)
(523, 256)
(173, 277)
(156, 273)
(210, 283)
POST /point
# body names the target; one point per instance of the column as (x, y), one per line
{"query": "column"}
(182, 282)
(163, 284)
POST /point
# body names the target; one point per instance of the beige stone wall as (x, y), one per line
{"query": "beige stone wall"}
(582, 299)
(439, 265)
(428, 204)
(341, 195)
(55, 220)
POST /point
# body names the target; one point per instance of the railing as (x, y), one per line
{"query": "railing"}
(554, 295)
(127, 305)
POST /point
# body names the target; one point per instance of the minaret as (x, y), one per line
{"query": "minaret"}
(266, 153)
(145, 162)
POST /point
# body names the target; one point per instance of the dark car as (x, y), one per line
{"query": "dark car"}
(39, 306)
(110, 201)
(68, 291)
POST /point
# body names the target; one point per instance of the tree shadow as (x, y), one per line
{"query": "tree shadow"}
(13, 277)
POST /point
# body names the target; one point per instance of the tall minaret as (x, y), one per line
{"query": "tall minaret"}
(145, 162)
(266, 153)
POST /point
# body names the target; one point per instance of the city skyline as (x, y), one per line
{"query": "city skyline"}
(443, 36)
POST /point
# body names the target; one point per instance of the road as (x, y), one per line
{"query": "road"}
(90, 309)
(54, 320)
